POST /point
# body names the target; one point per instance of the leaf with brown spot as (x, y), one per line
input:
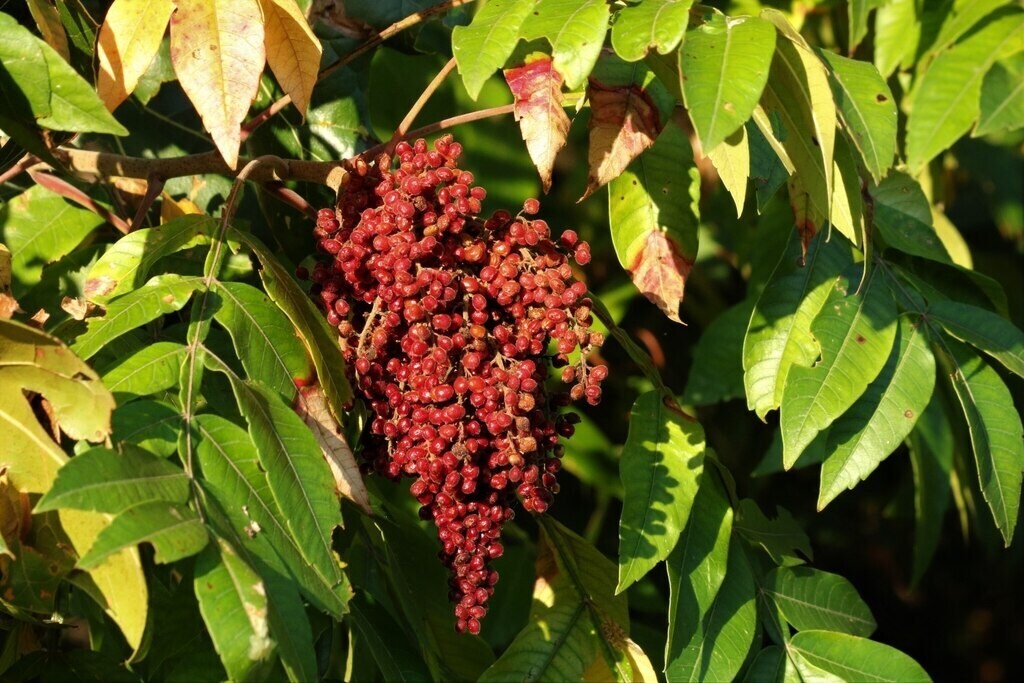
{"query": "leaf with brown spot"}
(293, 52)
(218, 54)
(128, 40)
(537, 88)
(653, 213)
(313, 409)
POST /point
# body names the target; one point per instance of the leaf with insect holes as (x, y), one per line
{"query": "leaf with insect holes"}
(654, 218)
(628, 108)
(537, 88)
(129, 39)
(218, 54)
(293, 51)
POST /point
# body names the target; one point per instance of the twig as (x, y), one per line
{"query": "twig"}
(370, 44)
(417, 106)
(290, 197)
(22, 165)
(154, 186)
(443, 124)
(72, 193)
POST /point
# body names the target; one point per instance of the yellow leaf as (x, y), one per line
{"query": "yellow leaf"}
(129, 39)
(52, 30)
(171, 208)
(120, 577)
(293, 52)
(33, 360)
(218, 55)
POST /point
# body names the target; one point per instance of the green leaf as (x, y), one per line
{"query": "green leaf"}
(867, 108)
(174, 531)
(320, 341)
(960, 18)
(996, 434)
(717, 371)
(654, 220)
(720, 642)
(152, 369)
(697, 566)
(798, 92)
(857, 14)
(878, 422)
(575, 29)
(263, 337)
(232, 475)
(161, 295)
(394, 656)
(481, 48)
(946, 98)
(772, 665)
(151, 425)
(290, 628)
(768, 171)
(852, 658)
(298, 474)
(105, 481)
(233, 602)
(650, 25)
(779, 334)
(661, 467)
(897, 33)
(856, 331)
(126, 265)
(931, 455)
(731, 158)
(577, 623)
(815, 600)
(724, 65)
(60, 99)
(984, 330)
(780, 537)
(40, 227)
(903, 216)
(1002, 98)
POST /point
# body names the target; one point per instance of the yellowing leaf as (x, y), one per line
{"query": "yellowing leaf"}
(128, 41)
(313, 409)
(537, 88)
(218, 54)
(32, 360)
(171, 208)
(48, 21)
(293, 52)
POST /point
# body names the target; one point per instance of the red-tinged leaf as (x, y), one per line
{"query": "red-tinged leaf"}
(537, 88)
(218, 54)
(653, 213)
(624, 121)
(128, 41)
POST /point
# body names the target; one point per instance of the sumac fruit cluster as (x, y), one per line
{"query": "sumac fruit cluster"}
(451, 325)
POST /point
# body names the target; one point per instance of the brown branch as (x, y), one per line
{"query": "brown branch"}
(386, 33)
(105, 164)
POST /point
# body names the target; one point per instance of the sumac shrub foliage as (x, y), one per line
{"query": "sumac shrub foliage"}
(347, 340)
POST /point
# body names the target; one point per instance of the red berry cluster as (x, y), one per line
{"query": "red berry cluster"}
(449, 324)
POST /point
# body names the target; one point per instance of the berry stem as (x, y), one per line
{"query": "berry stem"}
(443, 124)
(417, 107)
